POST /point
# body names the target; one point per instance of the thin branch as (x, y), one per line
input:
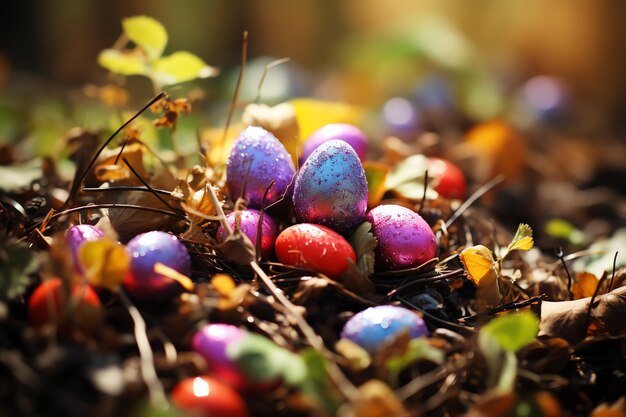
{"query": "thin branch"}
(265, 71)
(612, 275)
(82, 176)
(477, 194)
(127, 188)
(421, 206)
(559, 253)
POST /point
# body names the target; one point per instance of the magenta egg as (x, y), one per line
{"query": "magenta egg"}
(348, 133)
(331, 188)
(212, 342)
(405, 240)
(146, 250)
(374, 327)
(249, 226)
(79, 234)
(258, 151)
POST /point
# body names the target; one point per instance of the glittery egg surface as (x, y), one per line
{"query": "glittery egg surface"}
(212, 342)
(331, 188)
(258, 150)
(208, 396)
(340, 131)
(315, 247)
(79, 234)
(249, 226)
(376, 326)
(405, 240)
(145, 251)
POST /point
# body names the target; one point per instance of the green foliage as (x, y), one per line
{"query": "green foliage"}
(512, 331)
(17, 262)
(150, 39)
(523, 239)
(562, 229)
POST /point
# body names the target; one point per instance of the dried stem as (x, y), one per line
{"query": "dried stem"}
(348, 390)
(265, 71)
(477, 194)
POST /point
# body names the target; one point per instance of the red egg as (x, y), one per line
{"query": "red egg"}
(314, 247)
(49, 302)
(451, 181)
(209, 397)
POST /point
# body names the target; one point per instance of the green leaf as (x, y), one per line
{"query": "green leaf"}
(376, 175)
(407, 178)
(562, 229)
(180, 67)
(316, 385)
(145, 409)
(18, 261)
(418, 349)
(123, 63)
(523, 239)
(364, 243)
(148, 33)
(512, 331)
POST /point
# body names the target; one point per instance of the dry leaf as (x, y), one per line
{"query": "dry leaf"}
(279, 120)
(480, 266)
(584, 285)
(105, 263)
(375, 399)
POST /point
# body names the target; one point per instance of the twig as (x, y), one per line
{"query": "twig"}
(82, 176)
(127, 188)
(419, 208)
(477, 194)
(593, 298)
(156, 391)
(504, 307)
(462, 330)
(265, 71)
(559, 253)
(259, 227)
(612, 275)
(231, 110)
(348, 390)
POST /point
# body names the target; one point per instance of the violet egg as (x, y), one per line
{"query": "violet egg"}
(145, 250)
(249, 226)
(259, 151)
(401, 118)
(348, 133)
(331, 188)
(374, 327)
(211, 342)
(405, 240)
(79, 234)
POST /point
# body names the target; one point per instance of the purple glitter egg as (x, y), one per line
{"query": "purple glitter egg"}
(331, 188)
(258, 150)
(145, 251)
(212, 342)
(372, 328)
(348, 133)
(79, 234)
(405, 240)
(249, 226)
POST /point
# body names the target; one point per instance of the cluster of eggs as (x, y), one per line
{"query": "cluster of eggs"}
(329, 195)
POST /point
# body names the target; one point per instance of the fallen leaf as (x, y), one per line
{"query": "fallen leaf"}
(584, 285)
(480, 266)
(375, 399)
(105, 263)
(376, 175)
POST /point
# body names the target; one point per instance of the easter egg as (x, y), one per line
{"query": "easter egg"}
(546, 96)
(348, 133)
(79, 234)
(314, 247)
(146, 250)
(450, 179)
(50, 302)
(401, 118)
(209, 397)
(249, 226)
(372, 328)
(258, 151)
(331, 188)
(405, 240)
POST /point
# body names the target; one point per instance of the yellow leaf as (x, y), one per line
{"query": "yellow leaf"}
(105, 262)
(218, 149)
(173, 274)
(523, 239)
(478, 261)
(223, 284)
(376, 174)
(585, 285)
(313, 114)
(147, 33)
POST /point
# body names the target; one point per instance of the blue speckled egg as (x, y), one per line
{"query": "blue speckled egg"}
(372, 328)
(268, 160)
(405, 240)
(145, 251)
(331, 188)
(341, 131)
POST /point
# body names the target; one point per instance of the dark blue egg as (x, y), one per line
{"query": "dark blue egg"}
(258, 150)
(331, 188)
(145, 251)
(372, 328)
